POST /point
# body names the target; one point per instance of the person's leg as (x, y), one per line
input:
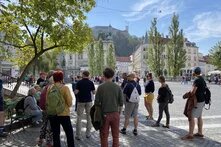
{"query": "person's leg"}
(66, 124)
(200, 125)
(43, 129)
(89, 124)
(166, 110)
(146, 105)
(80, 111)
(191, 126)
(104, 131)
(2, 118)
(135, 122)
(114, 123)
(76, 102)
(55, 127)
(161, 108)
(37, 115)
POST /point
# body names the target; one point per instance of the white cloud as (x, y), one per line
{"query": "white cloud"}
(154, 8)
(205, 25)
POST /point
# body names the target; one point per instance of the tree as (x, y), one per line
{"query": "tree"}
(215, 55)
(92, 59)
(155, 50)
(111, 59)
(99, 57)
(41, 26)
(175, 51)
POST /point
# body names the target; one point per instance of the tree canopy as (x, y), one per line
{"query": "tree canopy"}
(33, 27)
(215, 55)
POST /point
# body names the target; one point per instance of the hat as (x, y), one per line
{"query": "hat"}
(197, 70)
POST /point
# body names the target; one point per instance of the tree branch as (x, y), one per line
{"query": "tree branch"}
(36, 33)
(14, 45)
(42, 40)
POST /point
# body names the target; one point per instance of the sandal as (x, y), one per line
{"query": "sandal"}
(187, 137)
(198, 135)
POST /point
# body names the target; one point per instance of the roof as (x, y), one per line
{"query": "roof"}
(123, 59)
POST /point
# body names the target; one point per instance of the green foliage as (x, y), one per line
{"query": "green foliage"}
(34, 27)
(215, 55)
(176, 53)
(111, 59)
(92, 59)
(155, 50)
(99, 58)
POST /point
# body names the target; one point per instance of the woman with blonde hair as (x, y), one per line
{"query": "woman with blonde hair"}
(149, 96)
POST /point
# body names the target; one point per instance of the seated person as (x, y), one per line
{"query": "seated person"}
(31, 107)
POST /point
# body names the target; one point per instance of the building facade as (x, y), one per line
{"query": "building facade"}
(123, 64)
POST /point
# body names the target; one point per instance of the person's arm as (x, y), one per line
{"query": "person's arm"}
(67, 96)
(76, 91)
(93, 88)
(194, 88)
(120, 97)
(97, 101)
(139, 89)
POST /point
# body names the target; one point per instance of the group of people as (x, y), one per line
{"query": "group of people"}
(110, 99)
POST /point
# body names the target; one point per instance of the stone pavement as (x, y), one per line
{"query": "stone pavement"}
(148, 136)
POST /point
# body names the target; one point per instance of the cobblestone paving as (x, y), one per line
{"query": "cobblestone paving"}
(147, 135)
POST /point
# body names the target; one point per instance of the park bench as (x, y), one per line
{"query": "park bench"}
(14, 116)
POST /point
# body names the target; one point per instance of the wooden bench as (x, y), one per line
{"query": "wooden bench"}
(14, 116)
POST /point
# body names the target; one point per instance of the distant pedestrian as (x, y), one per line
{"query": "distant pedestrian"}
(109, 97)
(149, 96)
(163, 98)
(64, 117)
(131, 108)
(199, 88)
(84, 89)
(2, 115)
(41, 79)
(74, 84)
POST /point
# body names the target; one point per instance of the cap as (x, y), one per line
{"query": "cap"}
(197, 70)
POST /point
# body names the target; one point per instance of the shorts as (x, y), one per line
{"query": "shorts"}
(149, 97)
(197, 112)
(131, 109)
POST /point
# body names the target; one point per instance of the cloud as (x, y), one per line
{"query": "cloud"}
(154, 8)
(205, 25)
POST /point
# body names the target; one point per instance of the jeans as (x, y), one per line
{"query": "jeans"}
(65, 121)
(80, 111)
(37, 115)
(110, 120)
(163, 107)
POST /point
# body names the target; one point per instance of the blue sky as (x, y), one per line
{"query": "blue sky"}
(200, 19)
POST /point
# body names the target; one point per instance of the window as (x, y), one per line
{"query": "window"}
(70, 57)
(80, 56)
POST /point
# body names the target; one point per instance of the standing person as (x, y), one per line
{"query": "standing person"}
(109, 97)
(163, 98)
(124, 76)
(64, 117)
(199, 88)
(2, 115)
(131, 109)
(45, 132)
(84, 89)
(149, 96)
(41, 79)
(74, 84)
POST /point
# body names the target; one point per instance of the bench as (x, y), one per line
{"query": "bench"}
(14, 116)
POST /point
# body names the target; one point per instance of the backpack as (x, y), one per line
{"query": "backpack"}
(207, 95)
(170, 96)
(19, 107)
(134, 97)
(55, 103)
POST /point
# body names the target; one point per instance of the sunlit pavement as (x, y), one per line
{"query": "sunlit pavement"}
(147, 135)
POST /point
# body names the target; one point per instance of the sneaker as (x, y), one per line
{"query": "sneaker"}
(135, 132)
(123, 131)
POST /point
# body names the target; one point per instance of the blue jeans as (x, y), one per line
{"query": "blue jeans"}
(37, 115)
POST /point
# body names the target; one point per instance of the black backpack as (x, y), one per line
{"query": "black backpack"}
(170, 95)
(20, 106)
(207, 95)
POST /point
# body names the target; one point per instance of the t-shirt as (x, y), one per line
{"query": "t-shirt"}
(129, 89)
(149, 87)
(201, 88)
(109, 95)
(85, 87)
(40, 81)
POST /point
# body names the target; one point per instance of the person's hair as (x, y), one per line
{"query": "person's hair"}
(86, 73)
(150, 75)
(58, 76)
(50, 73)
(131, 77)
(197, 70)
(108, 73)
(30, 91)
(162, 79)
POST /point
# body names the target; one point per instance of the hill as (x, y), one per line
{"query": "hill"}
(124, 43)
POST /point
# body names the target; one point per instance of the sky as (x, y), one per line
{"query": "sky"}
(199, 19)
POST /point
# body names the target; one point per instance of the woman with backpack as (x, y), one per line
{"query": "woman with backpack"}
(62, 117)
(163, 98)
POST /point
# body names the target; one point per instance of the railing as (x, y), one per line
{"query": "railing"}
(7, 79)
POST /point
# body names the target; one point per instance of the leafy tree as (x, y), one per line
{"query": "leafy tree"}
(100, 57)
(92, 59)
(155, 50)
(111, 60)
(215, 55)
(40, 26)
(176, 53)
